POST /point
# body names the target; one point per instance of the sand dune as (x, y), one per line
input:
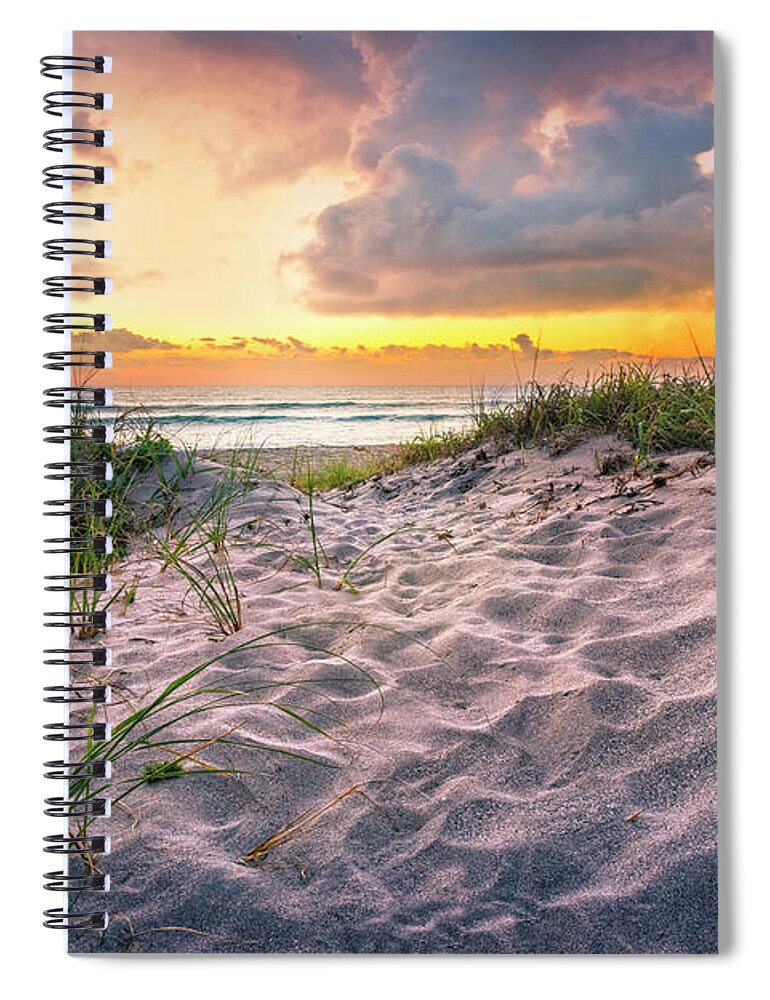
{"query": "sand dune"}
(518, 751)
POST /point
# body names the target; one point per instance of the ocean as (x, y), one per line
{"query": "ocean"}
(287, 416)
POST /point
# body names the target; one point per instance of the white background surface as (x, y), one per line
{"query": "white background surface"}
(35, 961)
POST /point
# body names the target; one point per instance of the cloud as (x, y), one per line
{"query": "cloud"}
(300, 347)
(519, 347)
(273, 344)
(313, 99)
(420, 241)
(121, 340)
(234, 343)
(468, 201)
(271, 361)
(642, 156)
(525, 344)
(289, 98)
(477, 97)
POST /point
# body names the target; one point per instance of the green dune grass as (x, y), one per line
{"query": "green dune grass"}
(653, 411)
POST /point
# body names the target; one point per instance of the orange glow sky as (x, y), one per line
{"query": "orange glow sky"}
(403, 209)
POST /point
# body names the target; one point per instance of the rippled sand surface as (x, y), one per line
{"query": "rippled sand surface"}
(515, 720)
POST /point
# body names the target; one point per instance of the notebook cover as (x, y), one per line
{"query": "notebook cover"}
(413, 568)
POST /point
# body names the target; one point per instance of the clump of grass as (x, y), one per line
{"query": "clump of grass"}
(312, 562)
(198, 547)
(137, 448)
(337, 475)
(88, 600)
(654, 411)
(198, 550)
(200, 555)
(345, 580)
(162, 770)
(244, 464)
(429, 446)
(129, 594)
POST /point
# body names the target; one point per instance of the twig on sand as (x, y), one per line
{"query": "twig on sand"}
(298, 825)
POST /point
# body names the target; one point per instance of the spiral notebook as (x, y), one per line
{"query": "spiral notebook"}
(383, 492)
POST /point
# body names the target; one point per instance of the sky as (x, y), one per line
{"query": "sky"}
(404, 208)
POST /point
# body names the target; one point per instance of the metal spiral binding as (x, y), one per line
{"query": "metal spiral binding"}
(96, 507)
(58, 211)
(78, 470)
(57, 100)
(59, 249)
(61, 433)
(57, 138)
(65, 395)
(60, 284)
(61, 323)
(62, 173)
(97, 657)
(59, 844)
(57, 361)
(82, 802)
(54, 66)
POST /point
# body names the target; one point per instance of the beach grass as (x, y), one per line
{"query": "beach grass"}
(335, 475)
(317, 556)
(136, 449)
(198, 551)
(653, 411)
(151, 727)
(139, 454)
(345, 579)
(205, 565)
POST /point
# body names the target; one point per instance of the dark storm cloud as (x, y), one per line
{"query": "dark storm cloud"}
(466, 197)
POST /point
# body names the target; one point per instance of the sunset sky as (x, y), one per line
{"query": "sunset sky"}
(404, 208)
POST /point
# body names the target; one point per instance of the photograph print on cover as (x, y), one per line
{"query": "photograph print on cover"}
(413, 507)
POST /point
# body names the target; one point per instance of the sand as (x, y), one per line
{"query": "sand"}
(518, 753)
